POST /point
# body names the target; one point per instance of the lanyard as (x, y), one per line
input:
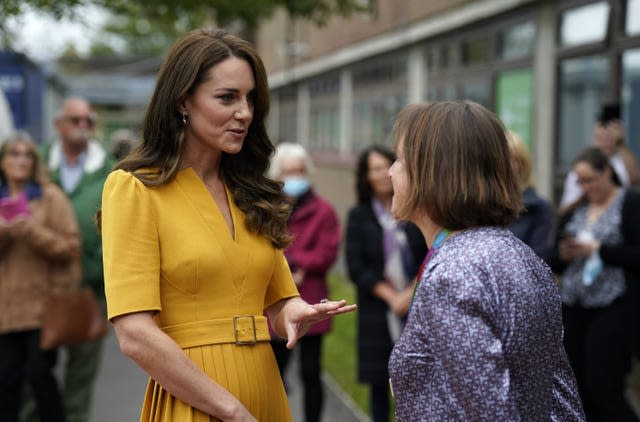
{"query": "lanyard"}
(439, 240)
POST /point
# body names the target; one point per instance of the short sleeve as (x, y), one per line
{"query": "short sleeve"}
(130, 246)
(281, 285)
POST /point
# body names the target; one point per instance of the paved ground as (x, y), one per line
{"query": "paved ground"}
(338, 407)
(120, 386)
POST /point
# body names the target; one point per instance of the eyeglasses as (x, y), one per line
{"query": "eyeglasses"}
(586, 180)
(76, 120)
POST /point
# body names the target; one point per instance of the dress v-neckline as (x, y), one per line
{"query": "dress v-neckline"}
(198, 195)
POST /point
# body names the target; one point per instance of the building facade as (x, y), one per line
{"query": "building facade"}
(545, 67)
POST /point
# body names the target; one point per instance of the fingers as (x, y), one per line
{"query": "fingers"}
(343, 310)
(329, 304)
(293, 333)
(322, 310)
(311, 314)
(331, 308)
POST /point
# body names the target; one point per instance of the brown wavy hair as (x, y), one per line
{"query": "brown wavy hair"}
(458, 167)
(158, 159)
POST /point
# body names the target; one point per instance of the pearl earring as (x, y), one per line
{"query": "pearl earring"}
(184, 119)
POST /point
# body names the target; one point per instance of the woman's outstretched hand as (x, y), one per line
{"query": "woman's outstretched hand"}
(299, 316)
(295, 316)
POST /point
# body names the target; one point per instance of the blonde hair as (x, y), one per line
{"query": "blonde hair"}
(520, 159)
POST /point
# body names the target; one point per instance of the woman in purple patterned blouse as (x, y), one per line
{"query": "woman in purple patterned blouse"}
(483, 340)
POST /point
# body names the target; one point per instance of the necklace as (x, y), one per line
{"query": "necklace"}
(438, 241)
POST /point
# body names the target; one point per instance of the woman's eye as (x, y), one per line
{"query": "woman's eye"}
(227, 98)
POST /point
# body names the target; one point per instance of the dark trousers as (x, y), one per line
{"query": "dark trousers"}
(310, 348)
(598, 346)
(22, 359)
(380, 402)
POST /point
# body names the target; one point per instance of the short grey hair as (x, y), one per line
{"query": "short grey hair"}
(288, 150)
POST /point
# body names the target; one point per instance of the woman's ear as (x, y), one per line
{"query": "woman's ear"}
(181, 106)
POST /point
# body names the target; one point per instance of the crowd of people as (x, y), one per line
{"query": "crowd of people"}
(477, 299)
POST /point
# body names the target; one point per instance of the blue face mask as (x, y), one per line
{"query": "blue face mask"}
(295, 186)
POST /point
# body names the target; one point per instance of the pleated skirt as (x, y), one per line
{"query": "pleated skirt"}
(249, 372)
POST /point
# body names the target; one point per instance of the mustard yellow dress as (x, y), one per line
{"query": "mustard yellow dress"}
(168, 249)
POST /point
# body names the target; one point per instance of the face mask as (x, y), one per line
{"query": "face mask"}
(295, 186)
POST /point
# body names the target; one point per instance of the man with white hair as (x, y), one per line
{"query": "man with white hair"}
(80, 165)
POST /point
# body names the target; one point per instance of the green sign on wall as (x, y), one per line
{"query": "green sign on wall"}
(514, 102)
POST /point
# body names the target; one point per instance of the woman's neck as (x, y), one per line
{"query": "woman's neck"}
(206, 167)
(15, 188)
(428, 228)
(385, 200)
(606, 199)
(596, 209)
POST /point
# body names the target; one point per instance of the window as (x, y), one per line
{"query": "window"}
(477, 90)
(585, 24)
(583, 89)
(449, 92)
(324, 118)
(287, 118)
(432, 93)
(379, 93)
(476, 51)
(633, 17)
(517, 42)
(448, 55)
(631, 98)
(431, 59)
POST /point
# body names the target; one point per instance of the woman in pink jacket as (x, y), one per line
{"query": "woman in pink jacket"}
(316, 236)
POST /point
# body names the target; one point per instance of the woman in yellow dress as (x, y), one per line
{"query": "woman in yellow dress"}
(193, 234)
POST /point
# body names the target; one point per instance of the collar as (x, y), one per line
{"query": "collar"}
(82, 159)
(440, 238)
(95, 156)
(303, 199)
(31, 189)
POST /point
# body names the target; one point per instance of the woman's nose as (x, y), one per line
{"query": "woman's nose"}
(245, 111)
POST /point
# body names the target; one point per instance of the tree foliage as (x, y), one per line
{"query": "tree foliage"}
(148, 26)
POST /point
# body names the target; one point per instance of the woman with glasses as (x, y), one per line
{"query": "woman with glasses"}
(597, 255)
(38, 233)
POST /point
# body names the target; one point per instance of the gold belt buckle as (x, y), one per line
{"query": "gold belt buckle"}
(236, 329)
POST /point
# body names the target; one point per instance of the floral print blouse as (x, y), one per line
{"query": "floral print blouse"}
(483, 340)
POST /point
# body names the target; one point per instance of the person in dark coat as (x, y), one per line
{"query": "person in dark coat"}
(534, 225)
(597, 255)
(382, 256)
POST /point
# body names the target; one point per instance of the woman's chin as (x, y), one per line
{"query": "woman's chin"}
(233, 149)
